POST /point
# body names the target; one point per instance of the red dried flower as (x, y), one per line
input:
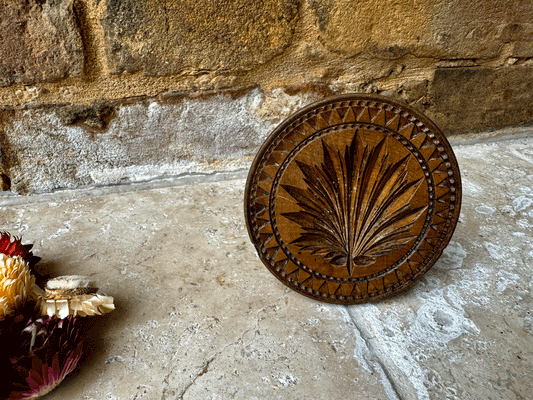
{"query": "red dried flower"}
(12, 246)
(43, 378)
(51, 349)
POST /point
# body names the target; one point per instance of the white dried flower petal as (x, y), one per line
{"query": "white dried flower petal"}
(70, 282)
(62, 308)
(96, 304)
(36, 292)
(75, 295)
(84, 305)
(48, 308)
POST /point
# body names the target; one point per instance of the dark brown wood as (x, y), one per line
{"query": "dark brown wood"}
(353, 199)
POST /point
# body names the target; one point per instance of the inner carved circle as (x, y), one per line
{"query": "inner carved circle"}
(352, 202)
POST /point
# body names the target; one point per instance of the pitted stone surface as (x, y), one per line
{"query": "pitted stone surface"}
(47, 149)
(453, 90)
(39, 42)
(188, 326)
(424, 28)
(196, 36)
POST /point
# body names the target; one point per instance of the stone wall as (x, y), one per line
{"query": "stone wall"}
(110, 91)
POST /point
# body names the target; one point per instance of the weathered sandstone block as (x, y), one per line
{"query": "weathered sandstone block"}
(425, 28)
(39, 41)
(472, 99)
(162, 37)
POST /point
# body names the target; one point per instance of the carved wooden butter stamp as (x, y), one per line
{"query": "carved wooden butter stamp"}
(353, 198)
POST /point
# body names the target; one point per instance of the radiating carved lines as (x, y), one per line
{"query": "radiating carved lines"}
(349, 214)
(290, 157)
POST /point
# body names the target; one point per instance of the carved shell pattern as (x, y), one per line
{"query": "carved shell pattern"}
(350, 214)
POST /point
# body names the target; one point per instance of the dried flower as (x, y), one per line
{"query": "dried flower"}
(16, 284)
(74, 295)
(37, 355)
(13, 247)
(52, 349)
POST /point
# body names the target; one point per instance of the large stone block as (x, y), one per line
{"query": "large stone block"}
(39, 41)
(162, 37)
(474, 99)
(49, 148)
(387, 29)
(109, 142)
(392, 29)
(473, 30)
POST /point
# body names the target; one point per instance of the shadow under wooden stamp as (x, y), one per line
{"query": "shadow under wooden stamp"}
(352, 199)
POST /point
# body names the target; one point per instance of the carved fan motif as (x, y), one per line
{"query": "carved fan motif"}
(351, 215)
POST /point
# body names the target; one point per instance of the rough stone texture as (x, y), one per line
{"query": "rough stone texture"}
(423, 28)
(39, 41)
(521, 37)
(71, 146)
(163, 37)
(82, 82)
(468, 99)
(478, 29)
(386, 29)
(199, 317)
(109, 142)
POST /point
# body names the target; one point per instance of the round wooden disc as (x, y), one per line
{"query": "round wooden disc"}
(353, 198)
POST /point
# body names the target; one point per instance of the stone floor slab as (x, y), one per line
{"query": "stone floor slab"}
(199, 317)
